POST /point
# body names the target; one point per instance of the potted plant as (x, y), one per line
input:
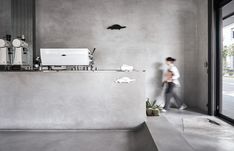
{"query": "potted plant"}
(152, 109)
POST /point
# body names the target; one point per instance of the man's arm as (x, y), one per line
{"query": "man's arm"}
(176, 73)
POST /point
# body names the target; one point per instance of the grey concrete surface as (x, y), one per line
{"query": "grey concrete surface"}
(200, 83)
(144, 140)
(87, 140)
(166, 137)
(71, 100)
(155, 30)
(169, 133)
(214, 142)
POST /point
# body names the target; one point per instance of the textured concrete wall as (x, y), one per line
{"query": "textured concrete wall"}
(5, 17)
(195, 70)
(202, 67)
(155, 29)
(71, 100)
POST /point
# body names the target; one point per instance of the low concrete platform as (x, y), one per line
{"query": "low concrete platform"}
(167, 137)
(138, 139)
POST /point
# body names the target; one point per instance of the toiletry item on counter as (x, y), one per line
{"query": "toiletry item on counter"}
(125, 80)
(125, 67)
(37, 65)
(5, 52)
(20, 52)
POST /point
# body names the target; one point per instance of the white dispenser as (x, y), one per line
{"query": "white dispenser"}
(20, 52)
(4, 52)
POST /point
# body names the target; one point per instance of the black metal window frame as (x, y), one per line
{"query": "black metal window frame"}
(215, 45)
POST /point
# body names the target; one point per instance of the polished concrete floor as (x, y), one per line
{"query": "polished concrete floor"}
(201, 141)
(166, 136)
(138, 139)
(168, 132)
(65, 141)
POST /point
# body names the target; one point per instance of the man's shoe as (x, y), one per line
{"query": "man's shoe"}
(163, 111)
(183, 107)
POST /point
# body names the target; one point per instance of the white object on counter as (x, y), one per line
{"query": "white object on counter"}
(17, 43)
(65, 56)
(125, 67)
(4, 52)
(125, 80)
(20, 52)
(4, 43)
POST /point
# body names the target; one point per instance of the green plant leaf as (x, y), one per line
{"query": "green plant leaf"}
(154, 102)
(148, 104)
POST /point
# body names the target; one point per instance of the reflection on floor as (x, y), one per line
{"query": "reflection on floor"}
(202, 132)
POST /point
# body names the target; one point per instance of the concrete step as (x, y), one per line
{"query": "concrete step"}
(166, 136)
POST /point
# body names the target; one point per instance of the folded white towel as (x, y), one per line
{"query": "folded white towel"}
(125, 80)
(125, 67)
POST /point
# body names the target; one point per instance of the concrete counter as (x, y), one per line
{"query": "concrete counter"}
(71, 100)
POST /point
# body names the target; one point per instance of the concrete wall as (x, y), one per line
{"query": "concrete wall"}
(5, 18)
(155, 29)
(71, 100)
(195, 60)
(202, 58)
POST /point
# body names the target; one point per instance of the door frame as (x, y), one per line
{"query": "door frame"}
(216, 73)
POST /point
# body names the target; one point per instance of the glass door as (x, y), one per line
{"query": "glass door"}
(226, 104)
